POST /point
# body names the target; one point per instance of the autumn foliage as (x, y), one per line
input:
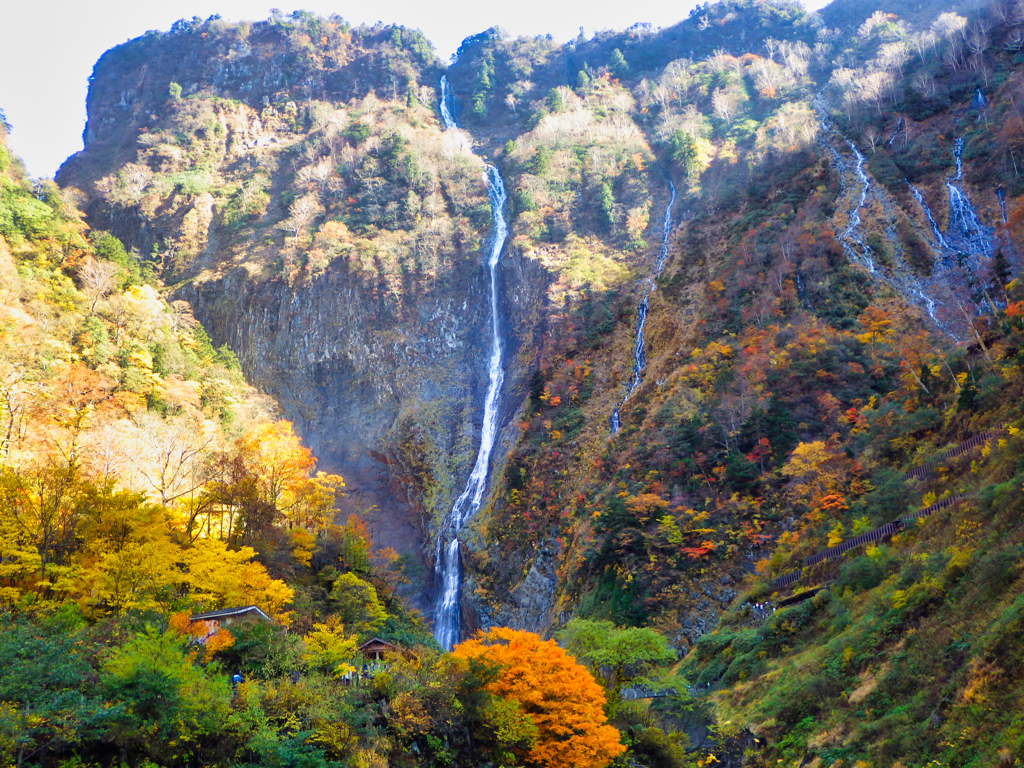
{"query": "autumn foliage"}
(559, 695)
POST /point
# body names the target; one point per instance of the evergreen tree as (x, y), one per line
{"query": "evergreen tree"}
(618, 64)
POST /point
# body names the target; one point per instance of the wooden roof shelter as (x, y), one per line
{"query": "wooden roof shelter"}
(230, 615)
(377, 649)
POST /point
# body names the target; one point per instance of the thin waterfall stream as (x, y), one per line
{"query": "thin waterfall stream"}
(965, 230)
(447, 611)
(646, 289)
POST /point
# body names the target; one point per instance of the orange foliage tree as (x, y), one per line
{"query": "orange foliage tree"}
(565, 703)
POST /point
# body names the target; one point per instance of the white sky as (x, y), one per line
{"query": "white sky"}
(48, 47)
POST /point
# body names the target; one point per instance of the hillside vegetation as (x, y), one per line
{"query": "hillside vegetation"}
(833, 344)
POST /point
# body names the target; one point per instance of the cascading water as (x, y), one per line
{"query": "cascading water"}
(1001, 194)
(862, 252)
(447, 104)
(966, 232)
(895, 131)
(801, 290)
(646, 289)
(928, 215)
(447, 613)
(849, 162)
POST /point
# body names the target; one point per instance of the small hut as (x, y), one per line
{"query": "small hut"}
(378, 650)
(228, 616)
(225, 617)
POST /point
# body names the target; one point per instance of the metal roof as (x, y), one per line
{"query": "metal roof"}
(225, 613)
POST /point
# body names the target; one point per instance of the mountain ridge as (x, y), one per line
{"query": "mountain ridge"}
(836, 306)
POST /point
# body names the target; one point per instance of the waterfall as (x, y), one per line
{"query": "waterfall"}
(928, 214)
(895, 131)
(448, 104)
(964, 230)
(854, 221)
(1001, 194)
(646, 289)
(801, 290)
(850, 167)
(447, 618)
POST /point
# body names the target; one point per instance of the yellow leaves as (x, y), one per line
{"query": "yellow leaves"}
(408, 715)
(356, 604)
(877, 325)
(668, 528)
(273, 452)
(328, 647)
(303, 543)
(816, 470)
(140, 357)
(139, 575)
(645, 504)
(981, 675)
(314, 500)
(19, 558)
(899, 598)
(967, 529)
(145, 304)
(835, 536)
(960, 558)
(716, 287)
(222, 577)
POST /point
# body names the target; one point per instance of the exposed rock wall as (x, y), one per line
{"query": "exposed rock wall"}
(387, 396)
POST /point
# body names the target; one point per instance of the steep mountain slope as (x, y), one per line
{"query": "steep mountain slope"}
(802, 244)
(331, 236)
(845, 215)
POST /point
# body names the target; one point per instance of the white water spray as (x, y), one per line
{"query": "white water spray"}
(647, 288)
(965, 230)
(447, 613)
(928, 214)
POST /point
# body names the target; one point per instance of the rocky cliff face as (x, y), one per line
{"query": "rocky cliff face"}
(290, 179)
(364, 319)
(389, 395)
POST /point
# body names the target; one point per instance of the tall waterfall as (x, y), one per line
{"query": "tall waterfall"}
(447, 618)
(647, 288)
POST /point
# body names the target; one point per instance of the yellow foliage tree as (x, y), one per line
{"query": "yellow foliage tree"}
(328, 647)
(646, 504)
(561, 698)
(129, 560)
(19, 559)
(219, 577)
(139, 575)
(816, 471)
(273, 453)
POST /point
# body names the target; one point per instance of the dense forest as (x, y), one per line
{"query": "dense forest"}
(753, 497)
